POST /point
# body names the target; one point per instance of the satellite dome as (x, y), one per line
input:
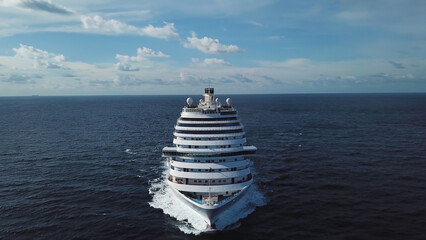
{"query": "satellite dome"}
(189, 101)
(228, 101)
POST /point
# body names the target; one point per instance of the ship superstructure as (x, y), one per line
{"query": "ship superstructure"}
(209, 168)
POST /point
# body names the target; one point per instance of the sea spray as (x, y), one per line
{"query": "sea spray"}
(251, 199)
(164, 198)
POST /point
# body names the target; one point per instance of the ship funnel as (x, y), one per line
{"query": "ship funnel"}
(209, 95)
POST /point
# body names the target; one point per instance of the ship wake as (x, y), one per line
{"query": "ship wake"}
(189, 221)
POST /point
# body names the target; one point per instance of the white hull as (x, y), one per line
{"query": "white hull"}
(210, 214)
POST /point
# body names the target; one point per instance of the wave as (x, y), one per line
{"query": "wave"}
(129, 151)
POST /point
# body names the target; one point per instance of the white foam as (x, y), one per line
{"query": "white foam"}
(129, 151)
(247, 204)
(189, 221)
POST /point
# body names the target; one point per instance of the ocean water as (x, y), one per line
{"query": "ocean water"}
(329, 166)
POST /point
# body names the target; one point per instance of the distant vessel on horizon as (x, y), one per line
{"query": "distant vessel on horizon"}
(208, 167)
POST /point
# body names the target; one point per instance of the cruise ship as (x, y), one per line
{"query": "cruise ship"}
(208, 165)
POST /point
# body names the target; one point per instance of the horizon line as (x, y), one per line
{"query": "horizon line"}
(186, 94)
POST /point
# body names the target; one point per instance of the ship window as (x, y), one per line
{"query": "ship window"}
(206, 181)
(213, 181)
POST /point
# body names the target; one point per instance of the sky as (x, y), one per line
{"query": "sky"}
(129, 47)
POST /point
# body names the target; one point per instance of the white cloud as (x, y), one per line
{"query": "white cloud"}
(210, 45)
(151, 53)
(276, 38)
(208, 62)
(394, 16)
(181, 76)
(348, 77)
(254, 23)
(124, 64)
(129, 14)
(41, 58)
(290, 63)
(15, 19)
(215, 8)
(135, 81)
(166, 32)
(111, 26)
(37, 5)
(18, 79)
(354, 15)
(98, 24)
(135, 63)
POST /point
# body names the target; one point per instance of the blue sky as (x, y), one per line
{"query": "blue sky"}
(59, 47)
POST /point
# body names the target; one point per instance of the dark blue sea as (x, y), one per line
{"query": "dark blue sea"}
(329, 166)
